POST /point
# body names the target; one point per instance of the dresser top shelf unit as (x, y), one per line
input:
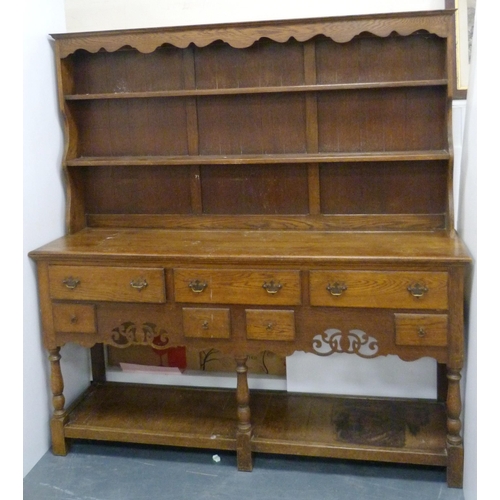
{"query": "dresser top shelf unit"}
(329, 124)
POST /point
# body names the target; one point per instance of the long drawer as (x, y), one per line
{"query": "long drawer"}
(118, 284)
(227, 286)
(391, 289)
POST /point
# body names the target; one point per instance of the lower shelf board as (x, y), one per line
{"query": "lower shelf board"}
(392, 430)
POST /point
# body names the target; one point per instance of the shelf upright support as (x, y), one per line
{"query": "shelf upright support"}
(312, 125)
(244, 431)
(189, 73)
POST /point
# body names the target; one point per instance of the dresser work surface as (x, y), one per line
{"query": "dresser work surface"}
(249, 188)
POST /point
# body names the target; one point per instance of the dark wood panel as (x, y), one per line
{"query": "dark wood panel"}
(399, 119)
(255, 189)
(252, 124)
(127, 71)
(372, 59)
(128, 190)
(384, 188)
(265, 63)
(131, 127)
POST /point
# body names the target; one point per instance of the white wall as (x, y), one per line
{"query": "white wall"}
(467, 227)
(11, 289)
(43, 214)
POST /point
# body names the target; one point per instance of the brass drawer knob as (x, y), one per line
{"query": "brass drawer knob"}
(337, 289)
(71, 282)
(197, 286)
(272, 287)
(139, 284)
(421, 332)
(417, 290)
(205, 325)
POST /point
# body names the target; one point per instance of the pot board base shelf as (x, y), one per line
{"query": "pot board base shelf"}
(389, 430)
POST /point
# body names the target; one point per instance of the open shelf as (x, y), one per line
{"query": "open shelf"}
(255, 90)
(410, 431)
(155, 415)
(270, 159)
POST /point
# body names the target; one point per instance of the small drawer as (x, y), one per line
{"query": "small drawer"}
(226, 286)
(373, 289)
(209, 323)
(74, 318)
(117, 284)
(421, 329)
(270, 324)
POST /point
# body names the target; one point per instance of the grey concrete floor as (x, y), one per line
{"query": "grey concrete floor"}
(109, 471)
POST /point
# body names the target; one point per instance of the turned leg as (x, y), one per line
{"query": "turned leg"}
(454, 426)
(244, 431)
(59, 417)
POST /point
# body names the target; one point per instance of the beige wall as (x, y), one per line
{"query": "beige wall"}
(91, 15)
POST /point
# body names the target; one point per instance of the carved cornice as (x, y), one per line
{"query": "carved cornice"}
(242, 35)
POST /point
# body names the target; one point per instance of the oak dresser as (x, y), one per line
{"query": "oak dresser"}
(282, 186)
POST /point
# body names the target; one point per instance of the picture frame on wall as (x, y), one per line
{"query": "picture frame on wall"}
(464, 28)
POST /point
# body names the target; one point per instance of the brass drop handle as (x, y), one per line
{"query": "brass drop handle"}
(421, 332)
(139, 284)
(71, 282)
(417, 290)
(270, 326)
(197, 286)
(205, 325)
(272, 287)
(337, 289)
